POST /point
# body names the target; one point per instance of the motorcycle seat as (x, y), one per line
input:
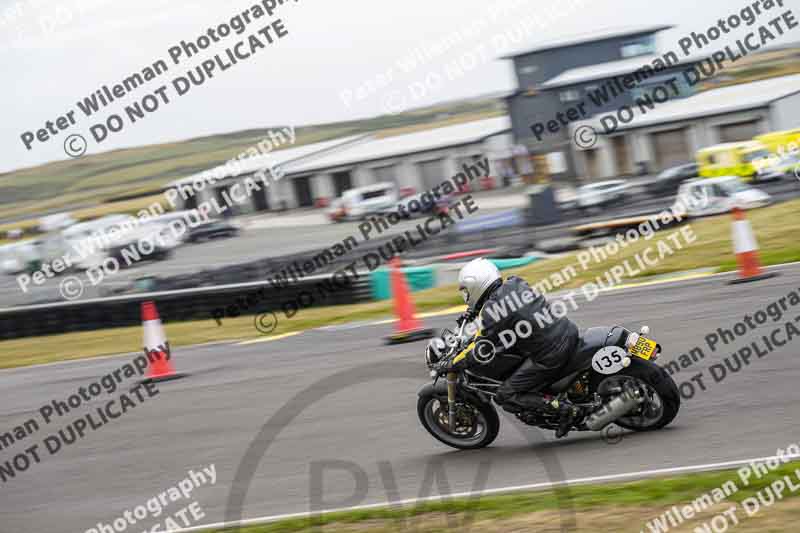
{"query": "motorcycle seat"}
(590, 341)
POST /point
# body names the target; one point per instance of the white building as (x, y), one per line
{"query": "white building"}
(324, 170)
(415, 160)
(269, 198)
(671, 133)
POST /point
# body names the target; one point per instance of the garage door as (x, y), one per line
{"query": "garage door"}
(342, 181)
(592, 166)
(302, 191)
(385, 174)
(431, 173)
(621, 155)
(742, 131)
(671, 148)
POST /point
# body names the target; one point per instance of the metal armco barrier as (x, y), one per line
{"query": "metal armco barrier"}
(175, 306)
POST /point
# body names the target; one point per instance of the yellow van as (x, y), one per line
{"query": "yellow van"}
(744, 159)
(781, 143)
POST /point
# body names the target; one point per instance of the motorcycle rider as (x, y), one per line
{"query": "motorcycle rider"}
(501, 306)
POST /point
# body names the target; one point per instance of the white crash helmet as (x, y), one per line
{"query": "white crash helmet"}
(475, 278)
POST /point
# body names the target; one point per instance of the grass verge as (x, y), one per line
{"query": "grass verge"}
(777, 228)
(599, 508)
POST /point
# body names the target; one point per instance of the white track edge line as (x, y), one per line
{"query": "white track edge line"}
(488, 492)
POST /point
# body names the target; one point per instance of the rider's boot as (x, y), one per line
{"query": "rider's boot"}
(567, 415)
(566, 411)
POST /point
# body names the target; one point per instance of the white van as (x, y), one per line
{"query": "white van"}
(719, 195)
(601, 194)
(87, 242)
(84, 242)
(17, 256)
(355, 204)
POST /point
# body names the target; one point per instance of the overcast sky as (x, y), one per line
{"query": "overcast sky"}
(54, 53)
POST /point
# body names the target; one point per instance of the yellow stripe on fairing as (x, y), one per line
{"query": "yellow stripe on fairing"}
(463, 354)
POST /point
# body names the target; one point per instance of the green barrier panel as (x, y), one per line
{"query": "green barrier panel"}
(503, 264)
(418, 278)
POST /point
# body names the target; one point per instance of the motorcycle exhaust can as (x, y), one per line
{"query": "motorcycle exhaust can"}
(617, 407)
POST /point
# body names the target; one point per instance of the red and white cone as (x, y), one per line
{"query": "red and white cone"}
(746, 249)
(156, 346)
(408, 328)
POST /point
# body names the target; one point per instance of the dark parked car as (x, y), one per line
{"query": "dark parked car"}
(214, 229)
(669, 180)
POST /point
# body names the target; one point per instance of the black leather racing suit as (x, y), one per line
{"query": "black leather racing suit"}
(547, 347)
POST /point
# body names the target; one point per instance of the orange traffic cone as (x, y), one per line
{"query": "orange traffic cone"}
(408, 328)
(746, 249)
(156, 346)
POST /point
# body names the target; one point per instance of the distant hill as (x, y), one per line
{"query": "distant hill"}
(771, 63)
(132, 172)
(98, 178)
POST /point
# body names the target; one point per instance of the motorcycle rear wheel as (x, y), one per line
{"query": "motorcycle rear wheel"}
(663, 398)
(477, 423)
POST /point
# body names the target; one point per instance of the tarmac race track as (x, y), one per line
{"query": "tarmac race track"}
(367, 417)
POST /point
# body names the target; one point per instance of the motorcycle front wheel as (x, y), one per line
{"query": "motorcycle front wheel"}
(476, 422)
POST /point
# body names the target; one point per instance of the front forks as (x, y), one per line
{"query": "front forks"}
(452, 379)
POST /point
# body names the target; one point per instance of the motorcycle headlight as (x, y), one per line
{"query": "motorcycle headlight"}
(435, 351)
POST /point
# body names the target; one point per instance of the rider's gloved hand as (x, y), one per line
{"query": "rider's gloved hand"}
(468, 316)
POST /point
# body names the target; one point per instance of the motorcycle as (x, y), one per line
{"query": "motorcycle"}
(612, 377)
